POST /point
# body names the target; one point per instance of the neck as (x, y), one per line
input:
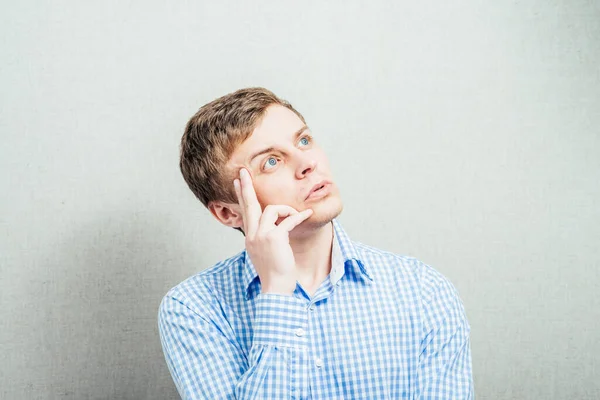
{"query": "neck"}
(312, 253)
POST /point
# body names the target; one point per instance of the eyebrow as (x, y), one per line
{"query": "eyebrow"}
(297, 134)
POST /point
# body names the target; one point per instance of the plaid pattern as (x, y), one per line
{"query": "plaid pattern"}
(383, 326)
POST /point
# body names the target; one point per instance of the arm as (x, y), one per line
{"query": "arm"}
(201, 350)
(445, 370)
(207, 362)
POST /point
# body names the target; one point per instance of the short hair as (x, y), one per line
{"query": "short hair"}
(212, 135)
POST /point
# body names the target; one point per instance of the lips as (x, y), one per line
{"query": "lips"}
(317, 187)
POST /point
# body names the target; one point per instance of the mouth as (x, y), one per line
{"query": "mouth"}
(319, 190)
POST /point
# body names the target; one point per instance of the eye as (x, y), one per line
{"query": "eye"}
(271, 162)
(306, 140)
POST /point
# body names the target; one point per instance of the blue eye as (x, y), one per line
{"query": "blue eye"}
(272, 161)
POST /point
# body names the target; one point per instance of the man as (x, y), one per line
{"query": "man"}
(303, 312)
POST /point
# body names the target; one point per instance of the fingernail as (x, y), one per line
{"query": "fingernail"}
(243, 172)
(236, 183)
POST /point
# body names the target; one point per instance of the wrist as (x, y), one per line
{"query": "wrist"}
(286, 288)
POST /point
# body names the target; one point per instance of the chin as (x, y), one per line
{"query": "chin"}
(324, 212)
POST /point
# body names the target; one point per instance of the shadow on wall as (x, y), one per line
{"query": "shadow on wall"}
(98, 329)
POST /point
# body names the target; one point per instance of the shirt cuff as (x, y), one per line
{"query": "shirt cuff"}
(280, 320)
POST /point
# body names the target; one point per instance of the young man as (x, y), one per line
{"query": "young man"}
(303, 312)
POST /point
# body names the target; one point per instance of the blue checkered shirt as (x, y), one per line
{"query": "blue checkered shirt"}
(381, 326)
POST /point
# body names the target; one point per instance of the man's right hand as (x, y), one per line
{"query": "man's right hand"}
(268, 243)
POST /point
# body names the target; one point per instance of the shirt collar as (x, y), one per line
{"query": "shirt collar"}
(343, 253)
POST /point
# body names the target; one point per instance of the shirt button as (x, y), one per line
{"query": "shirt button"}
(311, 308)
(319, 363)
(299, 332)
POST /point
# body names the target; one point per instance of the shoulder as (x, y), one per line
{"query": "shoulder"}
(406, 269)
(381, 261)
(202, 289)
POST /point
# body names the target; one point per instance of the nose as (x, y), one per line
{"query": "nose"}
(306, 165)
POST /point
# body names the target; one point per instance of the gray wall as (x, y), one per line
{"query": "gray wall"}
(462, 133)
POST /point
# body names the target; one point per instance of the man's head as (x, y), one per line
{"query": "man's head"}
(254, 129)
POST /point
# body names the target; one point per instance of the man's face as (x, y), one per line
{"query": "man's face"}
(285, 163)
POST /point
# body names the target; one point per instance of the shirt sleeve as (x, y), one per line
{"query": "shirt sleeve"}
(206, 360)
(445, 370)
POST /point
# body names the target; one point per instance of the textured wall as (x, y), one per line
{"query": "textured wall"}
(463, 133)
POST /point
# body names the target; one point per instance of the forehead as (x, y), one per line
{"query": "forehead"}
(276, 127)
(277, 123)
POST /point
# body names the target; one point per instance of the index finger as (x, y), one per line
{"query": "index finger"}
(252, 207)
(238, 194)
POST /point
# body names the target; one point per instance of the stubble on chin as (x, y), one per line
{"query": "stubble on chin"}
(322, 217)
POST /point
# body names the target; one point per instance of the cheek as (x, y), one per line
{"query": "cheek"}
(275, 193)
(322, 159)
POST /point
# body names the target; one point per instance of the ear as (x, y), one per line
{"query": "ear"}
(226, 213)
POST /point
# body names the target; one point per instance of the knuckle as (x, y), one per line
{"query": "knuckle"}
(270, 236)
(260, 236)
